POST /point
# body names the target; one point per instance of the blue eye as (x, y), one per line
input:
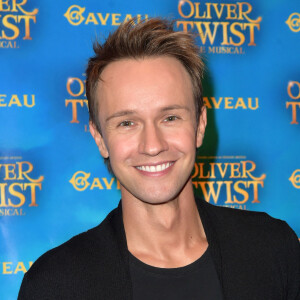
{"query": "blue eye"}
(126, 123)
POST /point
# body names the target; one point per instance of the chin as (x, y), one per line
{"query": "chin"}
(158, 197)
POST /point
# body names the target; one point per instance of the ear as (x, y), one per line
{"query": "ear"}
(99, 140)
(201, 126)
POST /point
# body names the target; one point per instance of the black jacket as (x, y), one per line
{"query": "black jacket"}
(256, 257)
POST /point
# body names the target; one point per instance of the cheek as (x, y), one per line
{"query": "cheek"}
(121, 148)
(183, 139)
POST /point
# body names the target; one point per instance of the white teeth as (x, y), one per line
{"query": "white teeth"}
(157, 168)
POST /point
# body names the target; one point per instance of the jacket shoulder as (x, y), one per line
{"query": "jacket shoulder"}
(80, 247)
(258, 248)
(247, 221)
(83, 263)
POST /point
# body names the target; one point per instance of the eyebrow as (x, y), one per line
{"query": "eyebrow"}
(173, 107)
(120, 114)
(131, 112)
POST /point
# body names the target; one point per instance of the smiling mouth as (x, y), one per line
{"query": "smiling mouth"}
(156, 168)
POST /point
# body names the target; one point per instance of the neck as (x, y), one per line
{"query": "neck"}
(169, 234)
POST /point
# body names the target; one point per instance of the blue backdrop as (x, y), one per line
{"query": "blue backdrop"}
(53, 183)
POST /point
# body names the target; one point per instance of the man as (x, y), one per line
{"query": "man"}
(147, 118)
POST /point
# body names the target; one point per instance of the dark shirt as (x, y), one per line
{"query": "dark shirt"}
(255, 256)
(198, 280)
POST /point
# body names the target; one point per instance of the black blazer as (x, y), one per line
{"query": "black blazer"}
(256, 257)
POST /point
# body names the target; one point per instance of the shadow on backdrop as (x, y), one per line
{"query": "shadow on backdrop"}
(207, 153)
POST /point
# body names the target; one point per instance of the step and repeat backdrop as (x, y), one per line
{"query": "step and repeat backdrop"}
(53, 182)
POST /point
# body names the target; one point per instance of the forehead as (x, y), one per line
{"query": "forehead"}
(147, 83)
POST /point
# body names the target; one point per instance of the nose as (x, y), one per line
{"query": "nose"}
(152, 140)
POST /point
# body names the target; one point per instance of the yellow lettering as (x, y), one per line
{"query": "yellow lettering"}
(20, 268)
(2, 194)
(225, 33)
(74, 103)
(2, 100)
(10, 26)
(197, 16)
(14, 101)
(116, 19)
(9, 170)
(228, 103)
(91, 19)
(218, 11)
(231, 11)
(7, 267)
(4, 3)
(228, 191)
(251, 32)
(27, 25)
(108, 185)
(255, 189)
(221, 170)
(19, 6)
(191, 6)
(96, 183)
(185, 25)
(291, 84)
(25, 98)
(250, 103)
(103, 20)
(241, 191)
(244, 14)
(294, 111)
(13, 192)
(235, 170)
(33, 191)
(211, 190)
(240, 103)
(24, 173)
(215, 103)
(248, 171)
(70, 90)
(206, 102)
(236, 33)
(203, 36)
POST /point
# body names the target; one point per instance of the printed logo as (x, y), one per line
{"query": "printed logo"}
(74, 15)
(77, 15)
(16, 22)
(17, 100)
(295, 179)
(77, 101)
(294, 22)
(231, 103)
(293, 90)
(230, 178)
(223, 28)
(81, 181)
(18, 187)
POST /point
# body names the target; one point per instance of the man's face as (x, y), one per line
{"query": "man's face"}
(147, 116)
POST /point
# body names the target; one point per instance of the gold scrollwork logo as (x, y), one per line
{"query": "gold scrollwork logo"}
(295, 179)
(74, 15)
(80, 181)
(294, 22)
